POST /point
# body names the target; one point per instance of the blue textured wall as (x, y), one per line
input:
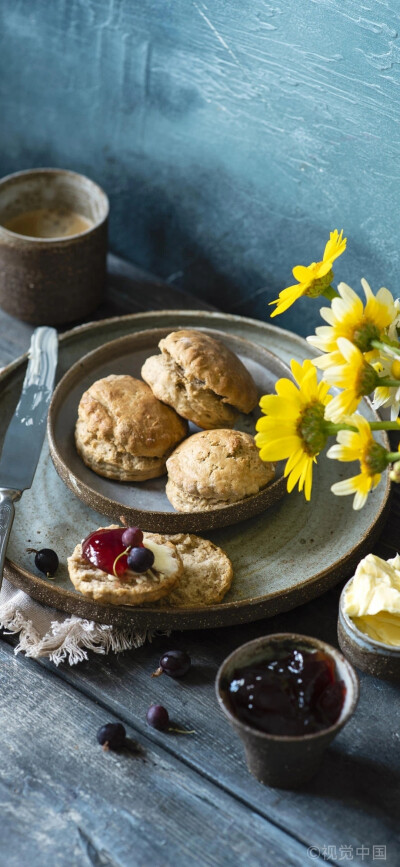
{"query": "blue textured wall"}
(230, 135)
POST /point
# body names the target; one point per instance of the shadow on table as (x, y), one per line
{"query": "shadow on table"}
(357, 781)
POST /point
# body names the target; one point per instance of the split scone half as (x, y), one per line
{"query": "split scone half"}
(123, 432)
(201, 379)
(130, 588)
(188, 572)
(214, 468)
(207, 573)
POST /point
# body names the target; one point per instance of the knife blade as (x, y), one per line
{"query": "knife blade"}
(25, 434)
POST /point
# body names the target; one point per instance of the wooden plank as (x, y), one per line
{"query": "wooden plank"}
(66, 802)
(130, 290)
(354, 800)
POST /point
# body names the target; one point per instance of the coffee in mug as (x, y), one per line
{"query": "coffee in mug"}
(49, 223)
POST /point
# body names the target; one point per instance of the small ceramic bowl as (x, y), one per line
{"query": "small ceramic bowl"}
(57, 279)
(380, 660)
(284, 761)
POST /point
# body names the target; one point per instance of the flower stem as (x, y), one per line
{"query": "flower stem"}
(389, 383)
(331, 428)
(393, 456)
(384, 425)
(330, 293)
(393, 351)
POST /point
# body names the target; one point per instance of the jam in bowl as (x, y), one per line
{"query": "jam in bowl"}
(294, 691)
(287, 696)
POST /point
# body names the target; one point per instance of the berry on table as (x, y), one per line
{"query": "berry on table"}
(157, 717)
(174, 663)
(111, 736)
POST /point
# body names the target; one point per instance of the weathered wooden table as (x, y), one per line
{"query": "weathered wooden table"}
(176, 799)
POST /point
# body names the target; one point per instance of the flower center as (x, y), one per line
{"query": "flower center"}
(374, 459)
(395, 370)
(367, 380)
(311, 428)
(364, 333)
(319, 284)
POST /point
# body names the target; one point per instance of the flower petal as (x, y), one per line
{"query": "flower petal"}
(282, 407)
(302, 274)
(335, 246)
(278, 449)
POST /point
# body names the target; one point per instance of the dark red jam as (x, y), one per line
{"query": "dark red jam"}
(104, 548)
(293, 692)
(116, 551)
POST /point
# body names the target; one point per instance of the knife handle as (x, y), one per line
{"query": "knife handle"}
(7, 511)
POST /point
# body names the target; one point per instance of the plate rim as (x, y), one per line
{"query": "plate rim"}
(261, 607)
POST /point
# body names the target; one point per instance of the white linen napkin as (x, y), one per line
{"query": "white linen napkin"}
(61, 637)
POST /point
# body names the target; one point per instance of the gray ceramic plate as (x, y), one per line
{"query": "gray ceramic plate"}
(285, 556)
(145, 504)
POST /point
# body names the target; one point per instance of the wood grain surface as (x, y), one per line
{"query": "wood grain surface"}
(183, 799)
(65, 801)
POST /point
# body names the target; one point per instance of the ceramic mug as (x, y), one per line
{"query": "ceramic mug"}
(53, 245)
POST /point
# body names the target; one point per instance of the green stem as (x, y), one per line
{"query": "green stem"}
(330, 293)
(388, 383)
(384, 425)
(331, 428)
(389, 348)
(393, 456)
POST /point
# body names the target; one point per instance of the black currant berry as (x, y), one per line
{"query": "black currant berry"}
(175, 663)
(157, 717)
(132, 537)
(111, 736)
(140, 560)
(46, 561)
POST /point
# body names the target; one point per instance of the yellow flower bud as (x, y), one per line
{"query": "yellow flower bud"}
(394, 474)
(395, 370)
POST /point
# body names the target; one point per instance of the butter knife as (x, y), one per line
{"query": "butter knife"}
(25, 434)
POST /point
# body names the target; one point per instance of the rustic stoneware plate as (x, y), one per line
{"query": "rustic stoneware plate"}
(282, 558)
(145, 504)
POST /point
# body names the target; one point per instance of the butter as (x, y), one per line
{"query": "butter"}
(373, 599)
(164, 559)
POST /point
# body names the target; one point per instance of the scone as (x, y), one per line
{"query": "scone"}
(123, 432)
(201, 378)
(207, 573)
(214, 468)
(130, 589)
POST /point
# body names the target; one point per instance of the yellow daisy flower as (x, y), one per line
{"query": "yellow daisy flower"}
(347, 317)
(385, 395)
(354, 375)
(312, 279)
(293, 425)
(359, 446)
